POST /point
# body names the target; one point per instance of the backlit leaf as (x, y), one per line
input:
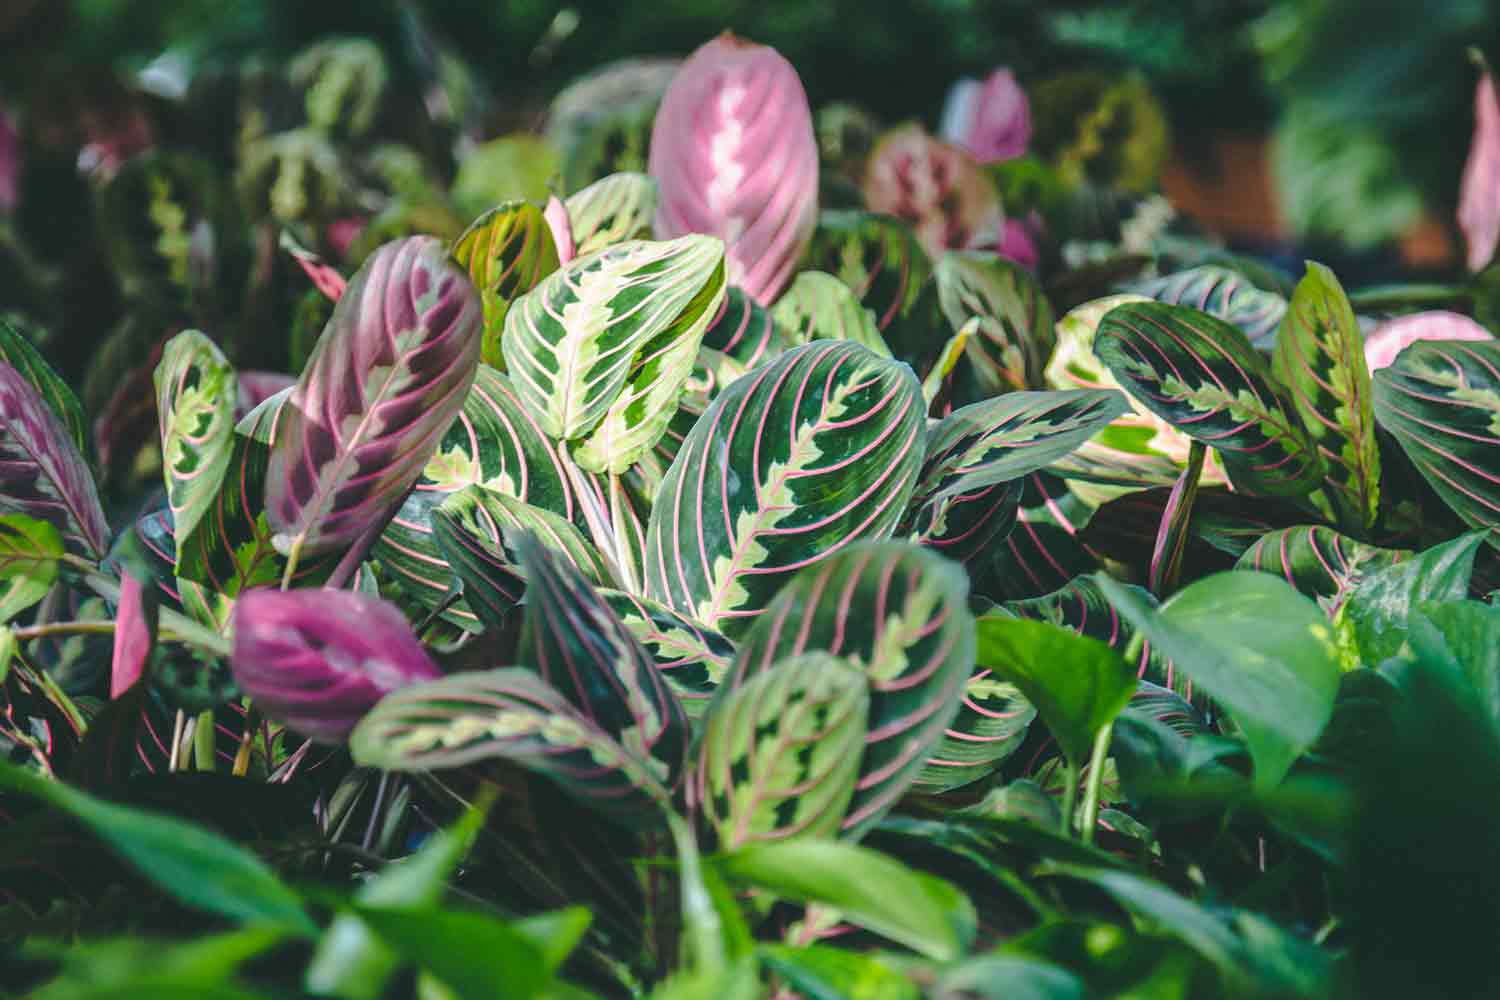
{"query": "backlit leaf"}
(29, 553)
(507, 252)
(611, 210)
(818, 306)
(196, 393)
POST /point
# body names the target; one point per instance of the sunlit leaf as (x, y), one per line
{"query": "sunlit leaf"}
(507, 252)
(611, 210)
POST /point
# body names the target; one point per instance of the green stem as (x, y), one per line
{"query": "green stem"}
(203, 741)
(247, 740)
(291, 565)
(1096, 781)
(699, 915)
(1070, 795)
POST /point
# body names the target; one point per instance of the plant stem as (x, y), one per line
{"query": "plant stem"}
(174, 626)
(203, 741)
(699, 916)
(1070, 795)
(291, 565)
(247, 739)
(1096, 780)
(177, 726)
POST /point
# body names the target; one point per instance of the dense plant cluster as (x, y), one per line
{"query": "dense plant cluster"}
(765, 552)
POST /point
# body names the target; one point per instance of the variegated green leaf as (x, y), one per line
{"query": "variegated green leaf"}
(793, 462)
(509, 714)
(195, 397)
(494, 443)
(897, 612)
(1043, 552)
(476, 530)
(29, 554)
(818, 306)
(1320, 562)
(1202, 375)
(1441, 401)
(937, 384)
(18, 352)
(780, 754)
(579, 645)
(1320, 357)
(880, 260)
(1015, 319)
(992, 721)
(744, 330)
(612, 210)
(1222, 292)
(599, 351)
(957, 506)
(692, 658)
(507, 252)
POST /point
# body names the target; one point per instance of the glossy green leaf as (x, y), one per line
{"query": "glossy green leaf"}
(476, 530)
(1009, 977)
(780, 753)
(1201, 375)
(600, 350)
(507, 251)
(1465, 635)
(1319, 562)
(744, 330)
(1381, 602)
(1278, 683)
(29, 555)
(869, 889)
(476, 955)
(880, 260)
(790, 464)
(1441, 401)
(1320, 358)
(820, 972)
(1077, 684)
(993, 719)
(1015, 319)
(194, 864)
(692, 658)
(612, 210)
(1222, 292)
(18, 352)
(818, 306)
(898, 613)
(196, 391)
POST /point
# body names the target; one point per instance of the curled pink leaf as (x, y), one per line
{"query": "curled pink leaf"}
(318, 660)
(734, 155)
(561, 228)
(1479, 191)
(1017, 244)
(938, 188)
(1394, 335)
(991, 120)
(133, 637)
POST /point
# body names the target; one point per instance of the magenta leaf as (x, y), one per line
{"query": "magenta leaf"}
(135, 634)
(991, 120)
(1479, 192)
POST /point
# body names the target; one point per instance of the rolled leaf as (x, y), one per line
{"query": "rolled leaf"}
(734, 155)
(389, 375)
(1390, 338)
(507, 252)
(29, 554)
(744, 330)
(196, 394)
(899, 614)
(1319, 562)
(819, 306)
(1320, 357)
(561, 228)
(1441, 401)
(1222, 292)
(693, 659)
(509, 714)
(781, 753)
(1479, 191)
(476, 531)
(18, 352)
(135, 634)
(318, 660)
(42, 473)
(792, 463)
(1015, 319)
(1201, 375)
(572, 638)
(599, 351)
(949, 201)
(612, 210)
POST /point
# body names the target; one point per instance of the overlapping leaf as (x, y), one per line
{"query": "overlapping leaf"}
(1015, 319)
(791, 463)
(1044, 551)
(17, 351)
(611, 210)
(196, 392)
(993, 718)
(507, 252)
(476, 530)
(506, 714)
(878, 257)
(692, 658)
(744, 330)
(599, 351)
(1441, 401)
(1320, 357)
(388, 376)
(1200, 374)
(818, 306)
(898, 613)
(1222, 292)
(781, 753)
(42, 473)
(1319, 562)
(29, 553)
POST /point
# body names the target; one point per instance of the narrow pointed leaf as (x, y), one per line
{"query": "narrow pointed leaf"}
(692, 658)
(325, 278)
(196, 393)
(1441, 401)
(1320, 357)
(507, 252)
(387, 378)
(780, 754)
(509, 714)
(1319, 562)
(937, 384)
(1172, 530)
(1015, 319)
(1201, 375)
(29, 553)
(17, 351)
(818, 306)
(476, 530)
(1222, 292)
(611, 210)
(744, 330)
(572, 638)
(898, 613)
(42, 472)
(791, 463)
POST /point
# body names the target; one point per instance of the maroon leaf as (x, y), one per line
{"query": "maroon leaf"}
(135, 634)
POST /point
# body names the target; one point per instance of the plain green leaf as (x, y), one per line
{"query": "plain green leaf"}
(1261, 649)
(738, 981)
(1008, 977)
(819, 972)
(1077, 684)
(474, 954)
(870, 889)
(1380, 605)
(29, 551)
(1465, 634)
